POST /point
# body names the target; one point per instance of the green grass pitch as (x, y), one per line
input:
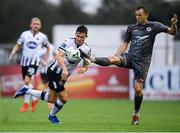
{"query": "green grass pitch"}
(91, 116)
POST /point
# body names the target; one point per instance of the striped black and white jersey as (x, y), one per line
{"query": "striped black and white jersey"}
(42, 52)
(31, 45)
(55, 66)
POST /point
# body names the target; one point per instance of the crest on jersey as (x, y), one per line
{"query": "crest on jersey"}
(63, 45)
(148, 29)
(32, 45)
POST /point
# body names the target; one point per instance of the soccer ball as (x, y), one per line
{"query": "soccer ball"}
(73, 54)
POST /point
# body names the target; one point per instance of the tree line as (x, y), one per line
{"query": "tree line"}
(15, 15)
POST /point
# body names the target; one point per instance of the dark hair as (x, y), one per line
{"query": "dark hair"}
(141, 7)
(82, 29)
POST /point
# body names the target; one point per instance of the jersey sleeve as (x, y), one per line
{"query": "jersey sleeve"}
(86, 50)
(64, 45)
(127, 35)
(160, 27)
(89, 52)
(21, 39)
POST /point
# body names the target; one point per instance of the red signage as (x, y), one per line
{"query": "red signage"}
(10, 79)
(100, 82)
(97, 82)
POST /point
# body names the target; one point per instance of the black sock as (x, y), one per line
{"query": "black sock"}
(102, 61)
(58, 106)
(137, 103)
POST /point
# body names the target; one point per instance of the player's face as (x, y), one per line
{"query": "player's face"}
(80, 38)
(141, 16)
(35, 25)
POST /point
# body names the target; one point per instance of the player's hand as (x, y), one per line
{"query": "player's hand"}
(82, 70)
(174, 20)
(64, 74)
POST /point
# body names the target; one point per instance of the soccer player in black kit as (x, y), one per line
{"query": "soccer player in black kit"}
(140, 38)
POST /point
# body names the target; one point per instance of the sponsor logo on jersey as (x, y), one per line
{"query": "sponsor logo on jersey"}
(63, 45)
(141, 39)
(32, 45)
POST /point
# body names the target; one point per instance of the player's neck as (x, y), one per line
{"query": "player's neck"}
(34, 32)
(144, 23)
(78, 45)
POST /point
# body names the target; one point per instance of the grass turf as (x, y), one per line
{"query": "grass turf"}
(91, 116)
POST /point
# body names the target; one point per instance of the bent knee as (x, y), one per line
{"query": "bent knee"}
(52, 97)
(138, 92)
(64, 97)
(51, 100)
(27, 80)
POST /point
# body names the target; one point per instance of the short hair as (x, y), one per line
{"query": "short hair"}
(35, 19)
(82, 29)
(142, 7)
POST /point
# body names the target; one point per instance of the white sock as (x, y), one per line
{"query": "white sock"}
(38, 94)
(34, 98)
(32, 88)
(27, 98)
(57, 106)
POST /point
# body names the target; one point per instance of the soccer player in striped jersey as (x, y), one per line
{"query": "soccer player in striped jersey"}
(59, 71)
(31, 42)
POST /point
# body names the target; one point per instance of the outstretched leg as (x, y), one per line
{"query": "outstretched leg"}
(102, 61)
(56, 95)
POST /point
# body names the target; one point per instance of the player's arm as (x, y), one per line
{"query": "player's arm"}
(127, 38)
(46, 44)
(14, 50)
(60, 59)
(86, 61)
(84, 68)
(173, 29)
(46, 56)
(122, 48)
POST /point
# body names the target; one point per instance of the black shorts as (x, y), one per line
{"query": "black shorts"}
(29, 71)
(44, 78)
(55, 82)
(139, 66)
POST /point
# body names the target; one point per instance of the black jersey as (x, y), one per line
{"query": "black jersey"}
(141, 39)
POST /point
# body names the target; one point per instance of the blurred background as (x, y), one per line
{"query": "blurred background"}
(106, 20)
